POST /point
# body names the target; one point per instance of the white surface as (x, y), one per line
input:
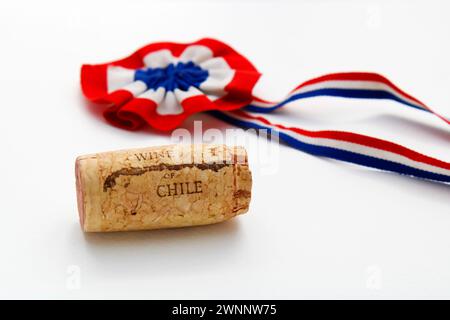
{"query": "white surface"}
(316, 228)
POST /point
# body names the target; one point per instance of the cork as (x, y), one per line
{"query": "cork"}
(162, 187)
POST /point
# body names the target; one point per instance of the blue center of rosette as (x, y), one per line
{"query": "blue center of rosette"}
(181, 75)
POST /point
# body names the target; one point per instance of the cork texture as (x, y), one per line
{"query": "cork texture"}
(162, 187)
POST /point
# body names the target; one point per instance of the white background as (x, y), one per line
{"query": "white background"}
(316, 228)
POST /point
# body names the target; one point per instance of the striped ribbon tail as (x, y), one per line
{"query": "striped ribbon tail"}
(347, 146)
(345, 85)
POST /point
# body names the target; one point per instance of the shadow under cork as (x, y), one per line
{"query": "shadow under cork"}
(164, 251)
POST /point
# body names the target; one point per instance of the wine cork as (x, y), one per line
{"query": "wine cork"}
(162, 187)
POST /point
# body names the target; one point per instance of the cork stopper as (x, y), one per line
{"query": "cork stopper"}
(162, 187)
